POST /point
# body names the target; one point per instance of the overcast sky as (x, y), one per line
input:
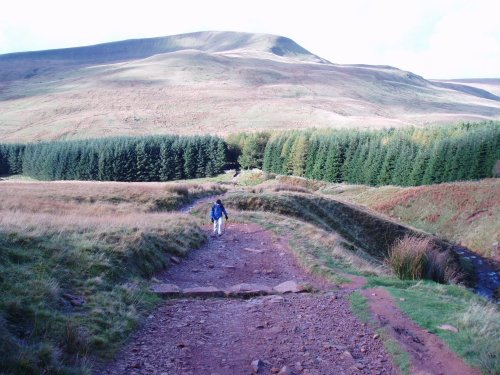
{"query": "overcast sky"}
(433, 38)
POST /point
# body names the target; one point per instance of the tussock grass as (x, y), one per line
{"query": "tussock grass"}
(413, 258)
(61, 241)
(407, 257)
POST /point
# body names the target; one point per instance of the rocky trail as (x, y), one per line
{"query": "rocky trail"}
(302, 333)
(226, 313)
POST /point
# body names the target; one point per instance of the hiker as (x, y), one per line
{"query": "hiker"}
(216, 216)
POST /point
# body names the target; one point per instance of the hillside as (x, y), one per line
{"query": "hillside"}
(218, 83)
(463, 212)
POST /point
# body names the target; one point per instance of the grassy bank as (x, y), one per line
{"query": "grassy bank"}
(74, 268)
(462, 212)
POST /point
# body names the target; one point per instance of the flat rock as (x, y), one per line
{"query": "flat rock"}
(448, 327)
(257, 366)
(166, 290)
(248, 290)
(203, 291)
(291, 286)
(285, 370)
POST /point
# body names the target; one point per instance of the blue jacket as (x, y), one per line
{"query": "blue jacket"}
(217, 211)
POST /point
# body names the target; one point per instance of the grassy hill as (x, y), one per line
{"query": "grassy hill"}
(218, 83)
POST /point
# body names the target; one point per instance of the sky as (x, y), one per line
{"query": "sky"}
(432, 38)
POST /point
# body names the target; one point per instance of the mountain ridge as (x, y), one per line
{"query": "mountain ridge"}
(218, 83)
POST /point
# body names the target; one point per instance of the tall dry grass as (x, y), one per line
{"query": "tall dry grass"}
(414, 258)
(99, 241)
(99, 198)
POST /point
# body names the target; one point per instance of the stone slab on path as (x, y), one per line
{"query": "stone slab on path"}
(242, 290)
(291, 286)
(203, 291)
(248, 290)
(166, 290)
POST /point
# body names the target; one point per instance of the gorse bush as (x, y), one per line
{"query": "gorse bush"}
(414, 258)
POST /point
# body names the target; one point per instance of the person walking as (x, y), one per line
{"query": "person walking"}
(216, 216)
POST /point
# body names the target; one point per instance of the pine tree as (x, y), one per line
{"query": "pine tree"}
(318, 169)
(190, 154)
(299, 155)
(333, 163)
(312, 153)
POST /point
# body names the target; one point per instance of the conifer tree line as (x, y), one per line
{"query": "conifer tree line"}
(385, 156)
(149, 158)
(405, 157)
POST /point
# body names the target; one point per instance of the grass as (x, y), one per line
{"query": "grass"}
(430, 305)
(407, 257)
(88, 198)
(412, 258)
(359, 306)
(80, 247)
(400, 357)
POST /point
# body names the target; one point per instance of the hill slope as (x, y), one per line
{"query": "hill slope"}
(462, 212)
(217, 82)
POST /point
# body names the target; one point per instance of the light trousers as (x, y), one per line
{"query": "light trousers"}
(218, 226)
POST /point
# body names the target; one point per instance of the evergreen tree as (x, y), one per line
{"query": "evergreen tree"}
(299, 155)
(190, 154)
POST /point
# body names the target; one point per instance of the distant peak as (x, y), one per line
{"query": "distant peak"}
(205, 41)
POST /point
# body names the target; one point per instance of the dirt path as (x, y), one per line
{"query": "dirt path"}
(310, 333)
(428, 354)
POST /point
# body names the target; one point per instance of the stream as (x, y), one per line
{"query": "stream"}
(487, 279)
